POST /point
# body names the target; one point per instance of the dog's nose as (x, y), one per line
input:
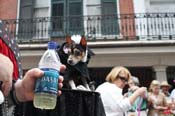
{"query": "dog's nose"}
(70, 62)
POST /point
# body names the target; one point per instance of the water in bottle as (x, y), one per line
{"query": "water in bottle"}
(47, 86)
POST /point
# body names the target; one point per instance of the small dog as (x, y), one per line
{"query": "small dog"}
(75, 54)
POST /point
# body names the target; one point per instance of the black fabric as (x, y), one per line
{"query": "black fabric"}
(19, 110)
(71, 103)
(76, 72)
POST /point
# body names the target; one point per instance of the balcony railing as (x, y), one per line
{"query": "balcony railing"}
(148, 26)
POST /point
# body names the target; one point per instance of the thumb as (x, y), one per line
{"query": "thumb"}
(35, 72)
(31, 76)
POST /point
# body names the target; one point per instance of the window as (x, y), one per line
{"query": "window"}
(109, 17)
(67, 17)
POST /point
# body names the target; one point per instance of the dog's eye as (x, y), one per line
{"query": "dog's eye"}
(77, 53)
(67, 46)
(69, 52)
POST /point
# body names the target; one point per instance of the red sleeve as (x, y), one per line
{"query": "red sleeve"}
(4, 49)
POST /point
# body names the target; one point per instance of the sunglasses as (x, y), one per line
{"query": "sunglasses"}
(123, 78)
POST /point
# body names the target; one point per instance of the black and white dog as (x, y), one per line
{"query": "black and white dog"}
(75, 54)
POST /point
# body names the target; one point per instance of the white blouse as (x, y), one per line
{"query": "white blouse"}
(113, 101)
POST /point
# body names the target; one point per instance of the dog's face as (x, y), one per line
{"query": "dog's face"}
(76, 49)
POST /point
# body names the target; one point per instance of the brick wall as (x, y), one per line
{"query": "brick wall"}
(8, 9)
(126, 6)
(127, 21)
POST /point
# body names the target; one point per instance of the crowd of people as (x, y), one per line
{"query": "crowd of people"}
(138, 101)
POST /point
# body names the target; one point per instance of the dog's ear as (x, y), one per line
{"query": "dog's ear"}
(68, 39)
(83, 41)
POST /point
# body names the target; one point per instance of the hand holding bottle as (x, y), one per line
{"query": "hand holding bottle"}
(41, 84)
(25, 88)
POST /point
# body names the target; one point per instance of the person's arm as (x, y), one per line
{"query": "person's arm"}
(124, 104)
(150, 100)
(164, 106)
(139, 92)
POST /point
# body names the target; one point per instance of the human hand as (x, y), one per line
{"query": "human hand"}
(125, 95)
(133, 88)
(6, 72)
(142, 91)
(25, 88)
(139, 92)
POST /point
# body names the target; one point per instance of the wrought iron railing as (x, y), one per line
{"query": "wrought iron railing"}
(148, 26)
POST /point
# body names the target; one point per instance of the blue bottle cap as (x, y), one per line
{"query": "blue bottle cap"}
(52, 45)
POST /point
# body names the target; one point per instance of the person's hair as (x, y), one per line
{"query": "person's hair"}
(135, 80)
(113, 74)
(153, 84)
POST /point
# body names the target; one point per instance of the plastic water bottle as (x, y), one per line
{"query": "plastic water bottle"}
(47, 86)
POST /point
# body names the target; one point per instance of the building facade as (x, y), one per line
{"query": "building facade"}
(7, 12)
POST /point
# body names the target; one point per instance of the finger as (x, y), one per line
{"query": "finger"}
(30, 78)
(60, 85)
(36, 72)
(59, 92)
(62, 68)
(60, 80)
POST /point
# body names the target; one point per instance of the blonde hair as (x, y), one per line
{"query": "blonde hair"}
(153, 84)
(113, 75)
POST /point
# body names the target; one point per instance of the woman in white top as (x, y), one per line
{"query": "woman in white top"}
(111, 92)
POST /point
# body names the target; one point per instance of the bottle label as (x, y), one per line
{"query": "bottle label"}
(48, 83)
